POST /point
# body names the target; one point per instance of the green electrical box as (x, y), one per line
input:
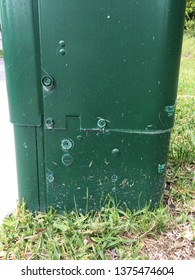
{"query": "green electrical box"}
(92, 88)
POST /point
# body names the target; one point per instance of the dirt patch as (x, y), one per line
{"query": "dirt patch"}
(187, 56)
(177, 244)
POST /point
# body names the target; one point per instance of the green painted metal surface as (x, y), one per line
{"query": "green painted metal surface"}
(20, 31)
(92, 88)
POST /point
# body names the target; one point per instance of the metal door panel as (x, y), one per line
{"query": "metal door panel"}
(109, 93)
(113, 66)
(102, 164)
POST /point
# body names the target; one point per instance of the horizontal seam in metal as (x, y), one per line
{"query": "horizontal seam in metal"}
(130, 131)
(141, 131)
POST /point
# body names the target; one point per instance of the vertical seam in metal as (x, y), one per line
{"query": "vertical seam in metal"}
(44, 169)
(41, 190)
(36, 27)
(37, 159)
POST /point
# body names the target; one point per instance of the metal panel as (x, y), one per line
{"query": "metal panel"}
(110, 73)
(27, 165)
(114, 60)
(20, 33)
(92, 87)
(129, 167)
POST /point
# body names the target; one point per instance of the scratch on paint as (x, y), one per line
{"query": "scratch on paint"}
(25, 145)
(170, 110)
(161, 168)
(161, 120)
(106, 162)
(100, 183)
(124, 183)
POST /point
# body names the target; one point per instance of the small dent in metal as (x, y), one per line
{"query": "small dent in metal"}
(67, 159)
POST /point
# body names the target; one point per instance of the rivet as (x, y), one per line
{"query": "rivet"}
(115, 152)
(62, 51)
(49, 123)
(62, 43)
(101, 123)
(66, 144)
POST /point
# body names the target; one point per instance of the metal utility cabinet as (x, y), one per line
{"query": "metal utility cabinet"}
(92, 91)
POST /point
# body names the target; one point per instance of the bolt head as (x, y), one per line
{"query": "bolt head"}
(47, 81)
(101, 123)
(49, 123)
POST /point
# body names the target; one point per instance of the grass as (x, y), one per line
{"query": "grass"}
(102, 235)
(168, 232)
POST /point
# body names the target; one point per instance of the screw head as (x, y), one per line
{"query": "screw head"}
(66, 144)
